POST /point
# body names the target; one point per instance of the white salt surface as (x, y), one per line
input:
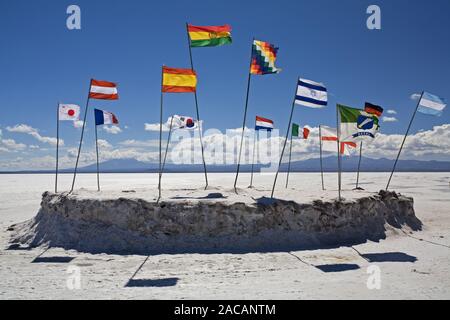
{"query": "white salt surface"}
(410, 268)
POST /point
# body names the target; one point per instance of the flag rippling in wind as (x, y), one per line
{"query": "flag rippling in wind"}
(104, 117)
(296, 131)
(357, 124)
(209, 36)
(183, 122)
(329, 141)
(373, 109)
(263, 124)
(69, 112)
(311, 94)
(176, 80)
(103, 90)
(431, 104)
(264, 55)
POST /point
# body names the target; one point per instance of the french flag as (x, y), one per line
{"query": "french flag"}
(104, 117)
(104, 90)
(263, 124)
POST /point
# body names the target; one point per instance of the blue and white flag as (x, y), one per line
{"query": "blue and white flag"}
(431, 104)
(311, 94)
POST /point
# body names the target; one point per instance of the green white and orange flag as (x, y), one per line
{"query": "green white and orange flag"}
(176, 80)
(209, 36)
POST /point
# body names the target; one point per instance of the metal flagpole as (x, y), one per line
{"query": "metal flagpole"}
(289, 164)
(96, 149)
(81, 139)
(198, 113)
(245, 118)
(359, 166)
(57, 148)
(321, 161)
(285, 141)
(338, 133)
(160, 135)
(253, 160)
(167, 145)
(404, 139)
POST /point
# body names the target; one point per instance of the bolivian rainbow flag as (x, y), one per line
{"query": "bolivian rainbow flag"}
(209, 36)
(264, 55)
(177, 80)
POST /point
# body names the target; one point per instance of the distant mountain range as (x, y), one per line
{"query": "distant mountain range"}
(349, 164)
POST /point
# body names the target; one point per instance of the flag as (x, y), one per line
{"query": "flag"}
(329, 141)
(177, 80)
(69, 112)
(104, 90)
(264, 55)
(373, 109)
(296, 131)
(209, 36)
(104, 117)
(431, 104)
(311, 94)
(357, 124)
(306, 133)
(183, 122)
(263, 124)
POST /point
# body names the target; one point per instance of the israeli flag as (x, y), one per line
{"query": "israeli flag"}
(311, 94)
(431, 104)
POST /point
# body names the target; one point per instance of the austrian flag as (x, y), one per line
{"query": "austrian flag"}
(104, 90)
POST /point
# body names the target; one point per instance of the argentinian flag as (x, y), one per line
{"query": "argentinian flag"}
(311, 94)
(431, 104)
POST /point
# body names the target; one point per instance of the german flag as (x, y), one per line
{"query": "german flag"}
(373, 109)
(209, 36)
(177, 80)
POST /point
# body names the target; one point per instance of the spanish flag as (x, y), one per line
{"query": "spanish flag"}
(209, 36)
(177, 80)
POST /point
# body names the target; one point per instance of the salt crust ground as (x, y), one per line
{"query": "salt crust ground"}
(412, 266)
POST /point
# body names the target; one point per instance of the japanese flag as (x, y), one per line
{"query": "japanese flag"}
(69, 112)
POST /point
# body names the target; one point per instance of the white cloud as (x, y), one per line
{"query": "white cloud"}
(23, 128)
(33, 147)
(390, 111)
(112, 129)
(415, 96)
(12, 145)
(104, 144)
(389, 119)
(140, 143)
(156, 127)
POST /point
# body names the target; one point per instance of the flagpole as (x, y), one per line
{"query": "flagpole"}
(57, 148)
(167, 145)
(96, 149)
(289, 164)
(359, 166)
(338, 133)
(245, 118)
(404, 139)
(81, 138)
(253, 160)
(196, 107)
(321, 161)
(160, 135)
(284, 145)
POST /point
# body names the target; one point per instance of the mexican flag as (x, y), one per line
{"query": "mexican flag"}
(357, 124)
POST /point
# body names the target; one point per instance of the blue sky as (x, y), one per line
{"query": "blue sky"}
(43, 62)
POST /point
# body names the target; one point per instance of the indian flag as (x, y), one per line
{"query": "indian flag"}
(176, 80)
(209, 36)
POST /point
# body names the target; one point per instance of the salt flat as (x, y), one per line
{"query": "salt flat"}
(412, 266)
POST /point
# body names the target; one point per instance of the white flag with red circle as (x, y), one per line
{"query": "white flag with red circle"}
(69, 112)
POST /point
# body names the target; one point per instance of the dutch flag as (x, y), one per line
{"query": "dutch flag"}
(263, 124)
(311, 94)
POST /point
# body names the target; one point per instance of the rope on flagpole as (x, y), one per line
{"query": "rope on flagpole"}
(404, 139)
(81, 138)
(245, 119)
(197, 109)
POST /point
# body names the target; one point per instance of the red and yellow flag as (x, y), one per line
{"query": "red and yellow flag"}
(176, 80)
